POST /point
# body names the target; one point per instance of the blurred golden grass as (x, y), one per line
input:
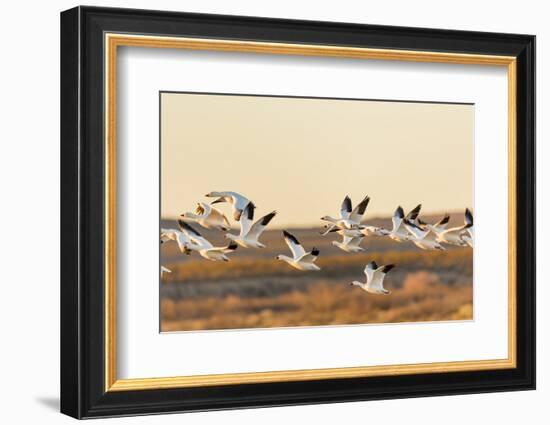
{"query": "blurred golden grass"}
(422, 297)
(199, 269)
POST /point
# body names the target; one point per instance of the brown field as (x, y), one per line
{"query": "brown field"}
(421, 298)
(256, 291)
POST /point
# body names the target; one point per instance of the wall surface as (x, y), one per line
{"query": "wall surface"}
(29, 170)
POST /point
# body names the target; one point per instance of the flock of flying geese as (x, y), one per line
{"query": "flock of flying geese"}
(349, 225)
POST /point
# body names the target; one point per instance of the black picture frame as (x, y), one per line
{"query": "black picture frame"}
(83, 392)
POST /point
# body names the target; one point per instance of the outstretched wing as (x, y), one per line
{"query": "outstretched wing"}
(226, 249)
(346, 239)
(246, 219)
(385, 269)
(188, 229)
(397, 218)
(354, 242)
(218, 216)
(310, 257)
(359, 210)
(345, 209)
(239, 200)
(192, 234)
(239, 203)
(294, 245)
(468, 218)
(260, 225)
(231, 247)
(468, 224)
(377, 281)
(413, 214)
(442, 224)
(369, 270)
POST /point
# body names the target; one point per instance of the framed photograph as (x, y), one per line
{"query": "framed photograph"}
(261, 212)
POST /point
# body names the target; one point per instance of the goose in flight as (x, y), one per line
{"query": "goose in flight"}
(349, 218)
(361, 230)
(375, 278)
(164, 270)
(181, 238)
(374, 230)
(422, 237)
(208, 217)
(248, 237)
(350, 244)
(455, 235)
(238, 202)
(399, 232)
(300, 259)
(203, 246)
(351, 233)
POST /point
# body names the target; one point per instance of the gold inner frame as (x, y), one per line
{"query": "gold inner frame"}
(113, 41)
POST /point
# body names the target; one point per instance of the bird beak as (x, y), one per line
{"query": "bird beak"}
(216, 201)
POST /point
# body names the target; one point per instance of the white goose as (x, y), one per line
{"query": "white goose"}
(422, 237)
(350, 244)
(361, 230)
(181, 238)
(208, 217)
(248, 237)
(238, 202)
(399, 232)
(349, 218)
(454, 235)
(300, 259)
(375, 278)
(164, 270)
(204, 247)
(350, 233)
(374, 230)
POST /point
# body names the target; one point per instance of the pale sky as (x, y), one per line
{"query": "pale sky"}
(301, 157)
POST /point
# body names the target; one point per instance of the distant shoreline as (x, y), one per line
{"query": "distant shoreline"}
(456, 217)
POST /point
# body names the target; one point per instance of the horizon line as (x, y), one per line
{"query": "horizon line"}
(321, 222)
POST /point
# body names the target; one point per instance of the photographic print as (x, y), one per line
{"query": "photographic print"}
(253, 184)
(300, 211)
